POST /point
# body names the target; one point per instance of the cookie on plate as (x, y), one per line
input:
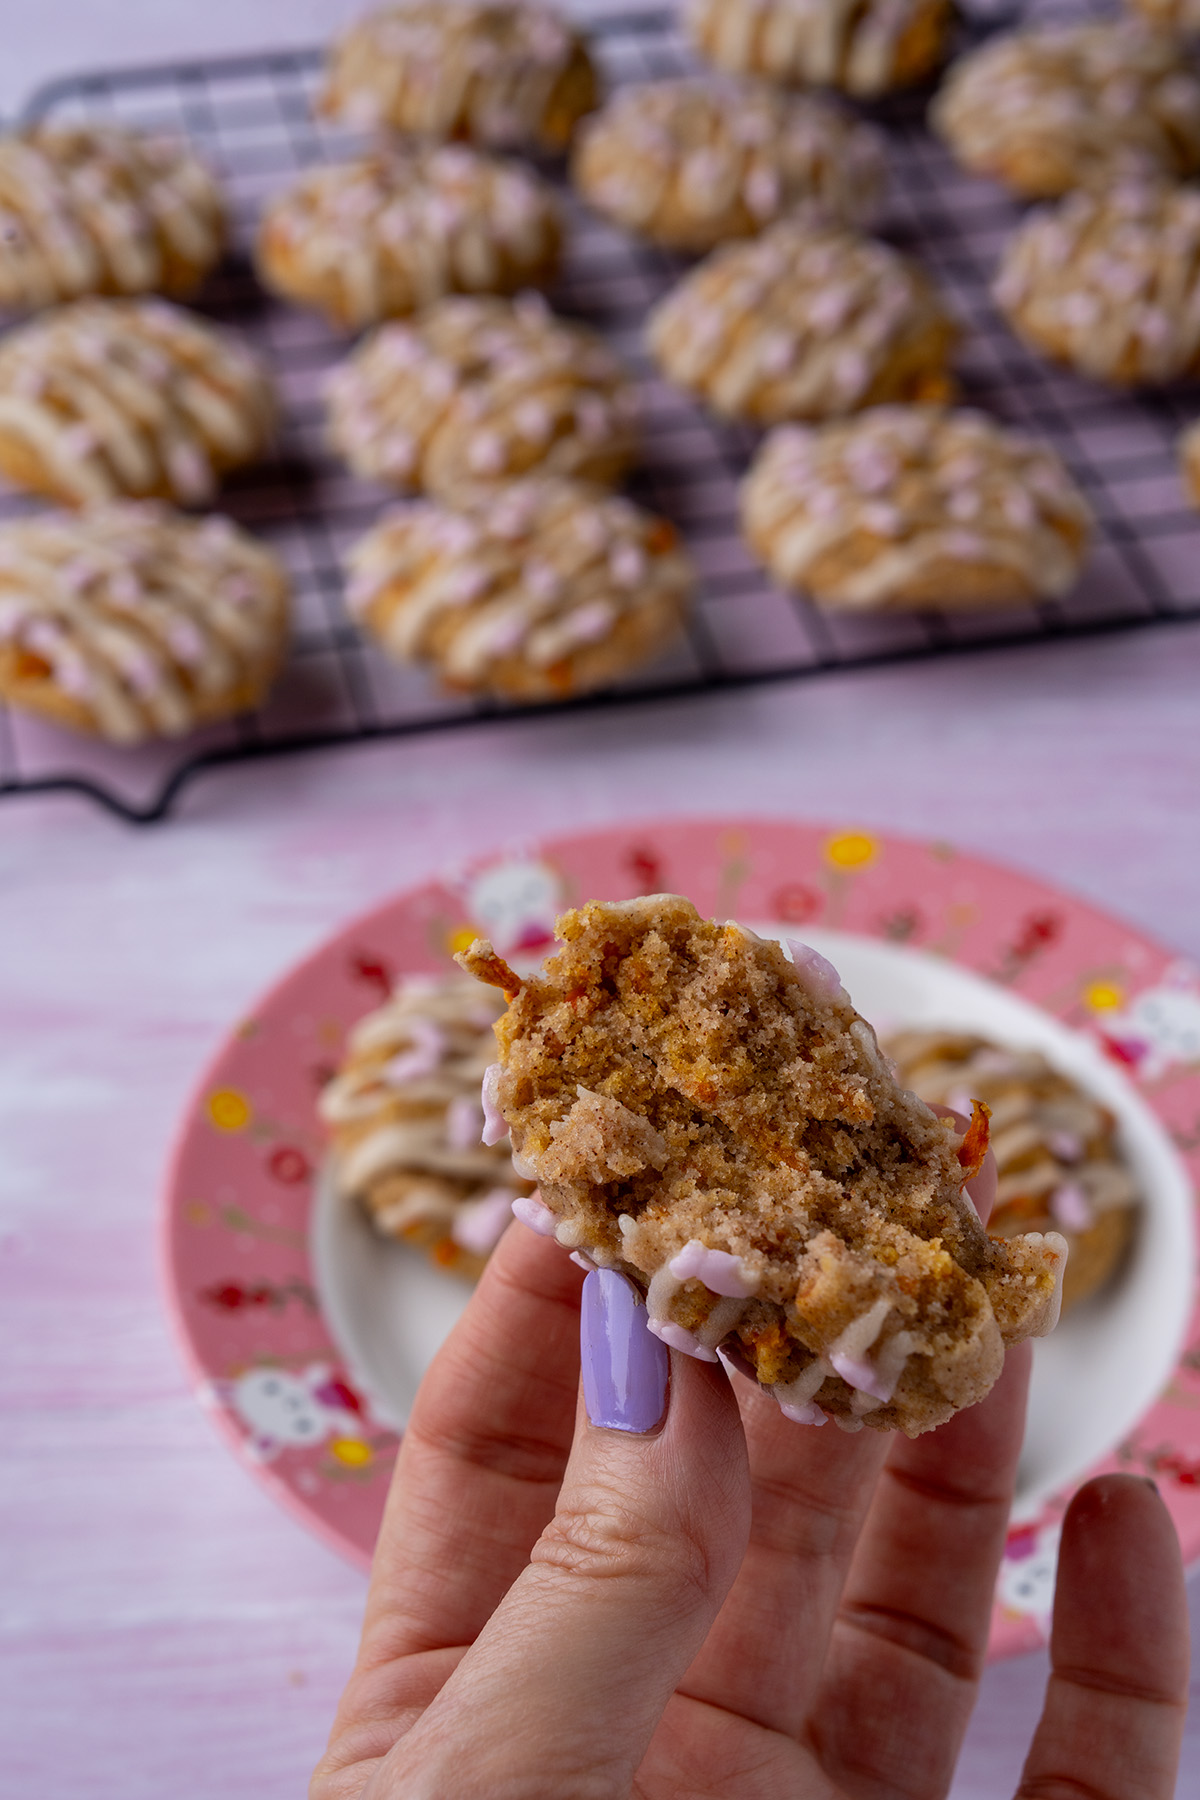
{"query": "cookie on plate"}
(547, 589)
(808, 321)
(476, 392)
(909, 506)
(1109, 283)
(509, 76)
(1048, 110)
(710, 1117)
(382, 237)
(104, 399)
(691, 162)
(405, 1122)
(102, 209)
(1059, 1162)
(865, 49)
(128, 621)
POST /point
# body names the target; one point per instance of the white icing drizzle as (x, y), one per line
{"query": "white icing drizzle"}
(847, 44)
(455, 68)
(1057, 108)
(532, 578)
(91, 209)
(148, 622)
(804, 322)
(397, 1108)
(1057, 1156)
(130, 397)
(382, 237)
(693, 161)
(896, 482)
(1110, 283)
(479, 390)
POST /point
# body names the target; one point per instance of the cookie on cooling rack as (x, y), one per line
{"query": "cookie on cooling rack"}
(865, 49)
(382, 237)
(1110, 283)
(548, 589)
(808, 321)
(129, 621)
(102, 209)
(507, 76)
(1053, 109)
(692, 162)
(476, 392)
(1057, 1155)
(406, 1122)
(104, 399)
(712, 1119)
(908, 506)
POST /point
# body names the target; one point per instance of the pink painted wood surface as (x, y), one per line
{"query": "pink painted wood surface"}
(163, 1627)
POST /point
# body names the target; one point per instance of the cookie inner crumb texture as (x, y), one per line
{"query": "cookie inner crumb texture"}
(715, 1120)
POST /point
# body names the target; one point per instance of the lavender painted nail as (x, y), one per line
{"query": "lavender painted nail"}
(625, 1368)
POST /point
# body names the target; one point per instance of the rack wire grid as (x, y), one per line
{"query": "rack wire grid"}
(252, 116)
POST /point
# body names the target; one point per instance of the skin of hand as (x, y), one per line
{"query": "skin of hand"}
(727, 1606)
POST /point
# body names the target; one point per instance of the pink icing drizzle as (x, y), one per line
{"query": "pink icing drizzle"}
(721, 1272)
(1071, 1207)
(495, 1126)
(535, 1213)
(856, 1372)
(677, 1337)
(478, 1225)
(428, 1048)
(817, 974)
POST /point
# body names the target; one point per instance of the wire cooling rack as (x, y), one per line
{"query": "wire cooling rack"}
(252, 117)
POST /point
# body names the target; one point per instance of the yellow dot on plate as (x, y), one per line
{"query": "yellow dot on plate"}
(1104, 996)
(196, 1213)
(461, 938)
(229, 1110)
(851, 850)
(351, 1451)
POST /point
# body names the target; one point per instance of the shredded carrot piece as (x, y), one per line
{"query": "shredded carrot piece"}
(974, 1146)
(481, 961)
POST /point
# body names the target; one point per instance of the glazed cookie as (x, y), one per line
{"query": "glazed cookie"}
(692, 162)
(502, 75)
(383, 237)
(864, 47)
(1060, 1166)
(476, 392)
(1181, 16)
(405, 1122)
(100, 209)
(129, 621)
(909, 506)
(547, 589)
(1050, 110)
(808, 321)
(107, 398)
(1110, 284)
(711, 1118)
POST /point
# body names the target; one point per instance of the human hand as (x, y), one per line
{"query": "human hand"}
(722, 1604)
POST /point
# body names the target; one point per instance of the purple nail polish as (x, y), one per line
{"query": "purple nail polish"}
(625, 1367)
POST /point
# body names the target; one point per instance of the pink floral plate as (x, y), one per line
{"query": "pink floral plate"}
(241, 1190)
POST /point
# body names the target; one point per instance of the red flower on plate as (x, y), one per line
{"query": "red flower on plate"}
(795, 904)
(374, 970)
(289, 1165)
(647, 867)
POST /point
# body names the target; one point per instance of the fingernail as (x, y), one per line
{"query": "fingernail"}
(625, 1367)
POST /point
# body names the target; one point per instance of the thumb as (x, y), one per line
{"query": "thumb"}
(564, 1687)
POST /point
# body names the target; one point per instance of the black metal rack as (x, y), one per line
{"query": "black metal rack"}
(252, 116)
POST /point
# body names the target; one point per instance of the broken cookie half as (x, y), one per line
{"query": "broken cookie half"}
(712, 1118)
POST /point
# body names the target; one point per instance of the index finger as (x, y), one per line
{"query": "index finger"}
(482, 1460)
